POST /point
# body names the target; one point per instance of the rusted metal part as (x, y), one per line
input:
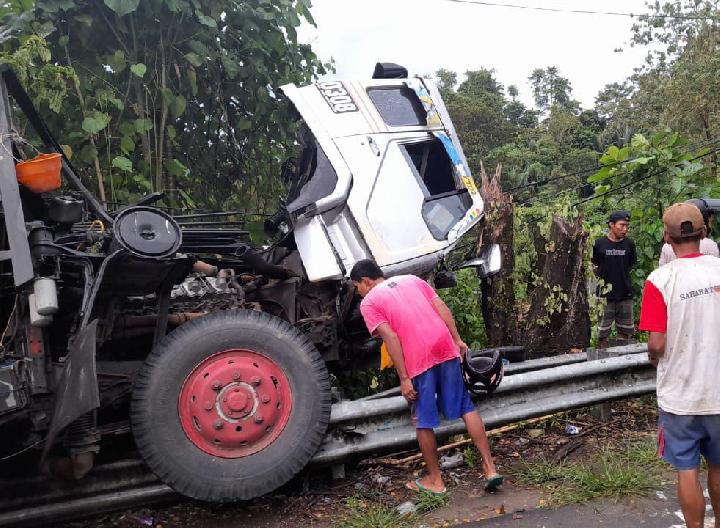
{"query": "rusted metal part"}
(235, 403)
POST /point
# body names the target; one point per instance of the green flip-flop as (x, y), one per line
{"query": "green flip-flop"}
(494, 482)
(423, 489)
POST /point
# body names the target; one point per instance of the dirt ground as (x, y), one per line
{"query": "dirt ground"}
(314, 500)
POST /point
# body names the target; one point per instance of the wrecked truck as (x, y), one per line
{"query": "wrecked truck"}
(109, 325)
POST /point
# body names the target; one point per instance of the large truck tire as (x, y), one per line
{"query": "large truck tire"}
(230, 406)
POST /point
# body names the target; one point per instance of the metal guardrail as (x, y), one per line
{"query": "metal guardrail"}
(363, 427)
(538, 364)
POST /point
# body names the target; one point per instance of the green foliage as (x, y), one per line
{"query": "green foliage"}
(479, 112)
(364, 514)
(616, 471)
(427, 502)
(661, 170)
(471, 456)
(358, 383)
(463, 303)
(190, 102)
(550, 89)
(46, 82)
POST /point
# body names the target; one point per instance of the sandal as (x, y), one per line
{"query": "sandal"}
(422, 489)
(494, 482)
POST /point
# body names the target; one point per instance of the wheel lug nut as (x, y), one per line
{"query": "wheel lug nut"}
(218, 424)
(265, 398)
(208, 406)
(236, 376)
(216, 385)
(256, 380)
(258, 419)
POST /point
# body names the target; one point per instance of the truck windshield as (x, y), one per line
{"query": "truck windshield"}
(398, 106)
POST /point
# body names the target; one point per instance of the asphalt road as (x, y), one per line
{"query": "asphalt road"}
(661, 510)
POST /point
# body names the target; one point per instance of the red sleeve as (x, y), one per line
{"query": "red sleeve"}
(653, 312)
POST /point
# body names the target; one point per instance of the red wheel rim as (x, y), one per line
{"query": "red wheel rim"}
(235, 403)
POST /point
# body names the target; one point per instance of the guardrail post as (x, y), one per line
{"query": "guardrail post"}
(601, 411)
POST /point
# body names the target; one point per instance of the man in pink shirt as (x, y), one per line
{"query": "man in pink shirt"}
(423, 343)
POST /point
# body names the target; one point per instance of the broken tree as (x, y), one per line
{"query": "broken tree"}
(558, 319)
(499, 308)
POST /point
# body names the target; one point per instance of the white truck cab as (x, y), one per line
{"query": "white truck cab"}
(388, 181)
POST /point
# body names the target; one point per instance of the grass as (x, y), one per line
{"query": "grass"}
(616, 471)
(471, 456)
(362, 513)
(428, 502)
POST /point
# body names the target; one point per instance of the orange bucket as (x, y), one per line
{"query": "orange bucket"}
(40, 174)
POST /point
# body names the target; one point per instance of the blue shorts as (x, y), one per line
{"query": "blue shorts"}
(682, 439)
(440, 388)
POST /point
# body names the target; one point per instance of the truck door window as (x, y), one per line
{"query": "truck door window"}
(398, 106)
(446, 201)
(433, 166)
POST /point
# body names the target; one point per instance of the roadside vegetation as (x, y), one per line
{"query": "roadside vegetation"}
(617, 470)
(363, 513)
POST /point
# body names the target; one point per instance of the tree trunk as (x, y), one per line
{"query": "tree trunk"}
(558, 319)
(498, 296)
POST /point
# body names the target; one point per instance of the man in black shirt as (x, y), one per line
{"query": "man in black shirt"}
(613, 256)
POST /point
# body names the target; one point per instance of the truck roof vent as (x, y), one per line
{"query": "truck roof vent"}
(389, 70)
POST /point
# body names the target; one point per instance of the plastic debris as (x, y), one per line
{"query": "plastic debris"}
(572, 429)
(407, 508)
(140, 519)
(380, 480)
(453, 461)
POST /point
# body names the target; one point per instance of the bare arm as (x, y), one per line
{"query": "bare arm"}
(392, 341)
(656, 347)
(447, 317)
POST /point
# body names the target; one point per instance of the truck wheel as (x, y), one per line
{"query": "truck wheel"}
(230, 406)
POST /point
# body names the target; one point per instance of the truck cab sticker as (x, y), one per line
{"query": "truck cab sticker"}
(337, 97)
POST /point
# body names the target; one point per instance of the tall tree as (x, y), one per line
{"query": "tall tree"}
(173, 95)
(477, 110)
(550, 89)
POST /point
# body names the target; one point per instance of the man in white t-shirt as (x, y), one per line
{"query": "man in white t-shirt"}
(707, 245)
(681, 310)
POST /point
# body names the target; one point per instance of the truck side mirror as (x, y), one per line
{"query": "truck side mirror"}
(487, 264)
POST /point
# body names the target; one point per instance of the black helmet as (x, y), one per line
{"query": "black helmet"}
(702, 205)
(483, 371)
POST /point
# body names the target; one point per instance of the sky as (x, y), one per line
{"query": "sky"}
(425, 35)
